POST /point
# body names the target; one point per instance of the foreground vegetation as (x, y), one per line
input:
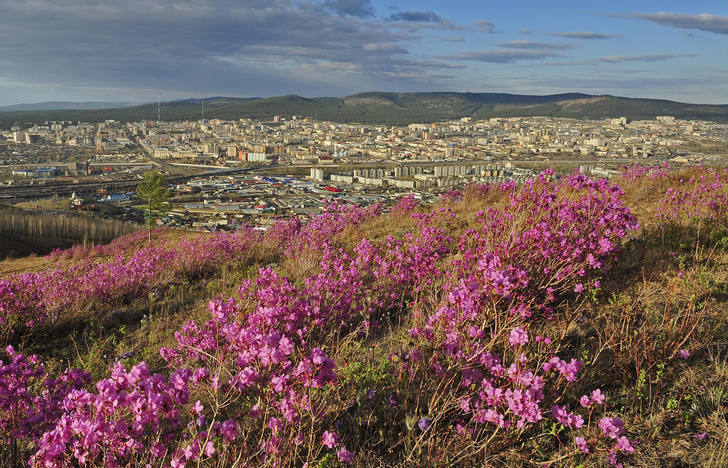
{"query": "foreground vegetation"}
(563, 323)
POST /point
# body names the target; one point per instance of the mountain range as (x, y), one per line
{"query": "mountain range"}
(373, 108)
(66, 105)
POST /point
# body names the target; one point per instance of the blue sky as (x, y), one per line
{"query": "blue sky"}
(133, 50)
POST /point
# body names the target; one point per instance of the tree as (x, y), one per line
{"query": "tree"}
(153, 190)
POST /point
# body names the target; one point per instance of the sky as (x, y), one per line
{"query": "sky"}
(137, 50)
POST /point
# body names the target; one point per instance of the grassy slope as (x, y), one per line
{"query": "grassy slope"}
(668, 292)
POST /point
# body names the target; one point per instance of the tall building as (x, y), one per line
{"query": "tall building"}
(317, 174)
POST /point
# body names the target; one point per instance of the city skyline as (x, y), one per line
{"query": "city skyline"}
(134, 51)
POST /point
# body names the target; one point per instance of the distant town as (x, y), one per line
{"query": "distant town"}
(226, 173)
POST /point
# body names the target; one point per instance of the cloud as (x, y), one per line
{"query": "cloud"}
(532, 45)
(416, 17)
(636, 58)
(353, 8)
(486, 26)
(502, 56)
(584, 35)
(454, 39)
(413, 21)
(703, 22)
(433, 64)
(235, 47)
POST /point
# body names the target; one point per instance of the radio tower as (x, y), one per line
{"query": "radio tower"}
(203, 109)
(158, 110)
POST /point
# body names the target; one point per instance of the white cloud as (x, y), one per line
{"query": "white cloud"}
(704, 22)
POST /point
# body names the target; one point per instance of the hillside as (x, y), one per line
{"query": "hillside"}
(390, 108)
(566, 322)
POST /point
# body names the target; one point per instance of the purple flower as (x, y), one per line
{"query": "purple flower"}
(423, 424)
(612, 459)
(372, 393)
(581, 444)
(701, 435)
(684, 353)
(330, 439)
(567, 419)
(597, 397)
(229, 430)
(624, 445)
(209, 449)
(344, 455)
(275, 425)
(612, 427)
(393, 400)
(567, 369)
(518, 336)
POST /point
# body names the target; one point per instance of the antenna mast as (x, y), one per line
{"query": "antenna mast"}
(158, 109)
(203, 109)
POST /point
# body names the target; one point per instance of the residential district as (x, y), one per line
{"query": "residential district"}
(226, 173)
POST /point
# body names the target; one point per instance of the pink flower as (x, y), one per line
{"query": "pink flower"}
(581, 444)
(209, 449)
(597, 398)
(344, 455)
(567, 419)
(612, 459)
(624, 445)
(684, 353)
(330, 439)
(612, 427)
(518, 336)
(275, 425)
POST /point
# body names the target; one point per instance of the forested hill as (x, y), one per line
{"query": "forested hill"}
(389, 108)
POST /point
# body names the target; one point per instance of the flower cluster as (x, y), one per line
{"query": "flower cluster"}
(257, 381)
(474, 346)
(29, 299)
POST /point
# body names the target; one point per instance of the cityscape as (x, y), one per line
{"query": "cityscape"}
(229, 172)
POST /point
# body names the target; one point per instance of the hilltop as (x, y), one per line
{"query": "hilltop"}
(389, 108)
(568, 322)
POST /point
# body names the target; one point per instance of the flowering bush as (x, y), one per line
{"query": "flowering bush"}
(443, 342)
